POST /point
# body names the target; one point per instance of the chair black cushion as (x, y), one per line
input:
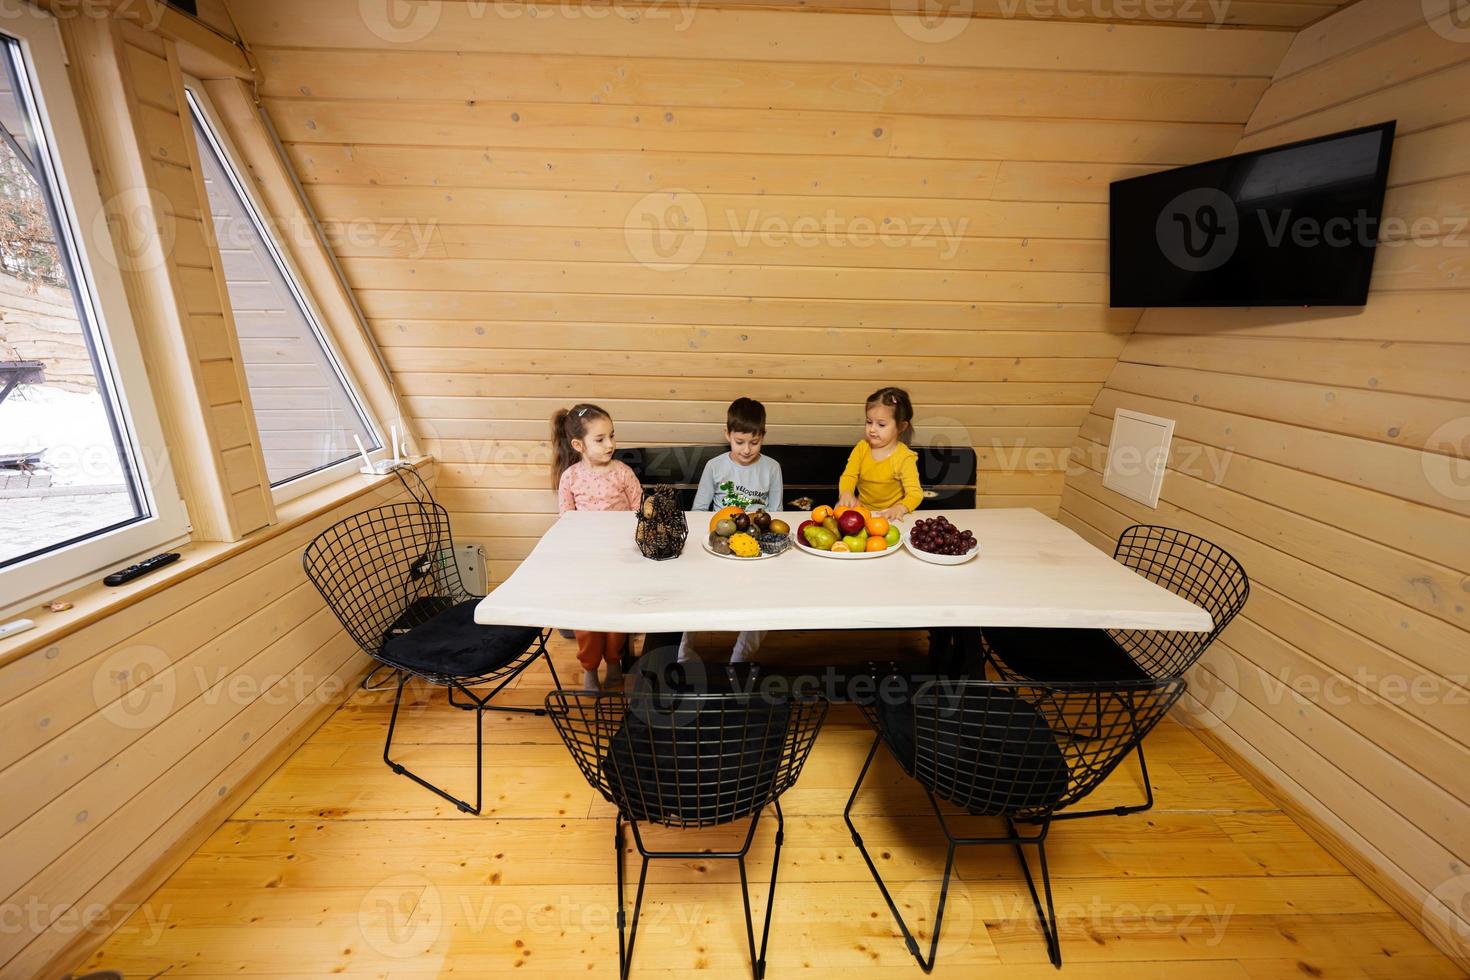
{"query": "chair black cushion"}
(698, 761)
(452, 644)
(1063, 654)
(999, 760)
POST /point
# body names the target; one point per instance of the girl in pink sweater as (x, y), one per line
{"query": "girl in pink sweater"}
(588, 478)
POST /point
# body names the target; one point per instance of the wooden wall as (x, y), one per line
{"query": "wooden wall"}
(489, 185)
(1328, 451)
(129, 740)
(38, 322)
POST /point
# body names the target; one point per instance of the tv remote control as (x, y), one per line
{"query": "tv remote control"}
(14, 627)
(141, 568)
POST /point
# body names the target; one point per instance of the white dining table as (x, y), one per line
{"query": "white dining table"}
(587, 573)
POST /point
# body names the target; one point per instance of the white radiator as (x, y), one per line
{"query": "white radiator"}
(472, 568)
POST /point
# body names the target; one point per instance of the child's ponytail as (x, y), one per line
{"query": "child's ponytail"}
(562, 453)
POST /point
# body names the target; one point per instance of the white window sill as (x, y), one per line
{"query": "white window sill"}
(95, 602)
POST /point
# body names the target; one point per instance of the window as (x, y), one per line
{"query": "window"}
(307, 413)
(85, 483)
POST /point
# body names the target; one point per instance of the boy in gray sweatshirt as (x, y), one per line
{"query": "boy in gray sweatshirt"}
(740, 478)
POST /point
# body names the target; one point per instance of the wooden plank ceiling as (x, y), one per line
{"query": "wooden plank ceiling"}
(1283, 15)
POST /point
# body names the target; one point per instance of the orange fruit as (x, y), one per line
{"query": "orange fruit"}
(877, 526)
(840, 546)
(821, 513)
(878, 543)
(720, 515)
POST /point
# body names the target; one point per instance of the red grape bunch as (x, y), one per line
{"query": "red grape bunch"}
(939, 537)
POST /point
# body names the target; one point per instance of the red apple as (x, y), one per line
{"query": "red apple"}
(850, 523)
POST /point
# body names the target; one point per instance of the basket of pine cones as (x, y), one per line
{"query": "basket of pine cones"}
(662, 528)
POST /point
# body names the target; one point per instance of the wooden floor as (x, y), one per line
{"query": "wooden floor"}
(338, 867)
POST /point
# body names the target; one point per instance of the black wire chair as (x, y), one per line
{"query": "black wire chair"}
(1008, 750)
(688, 760)
(390, 576)
(1185, 564)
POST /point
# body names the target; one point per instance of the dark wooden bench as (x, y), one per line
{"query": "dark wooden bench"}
(947, 473)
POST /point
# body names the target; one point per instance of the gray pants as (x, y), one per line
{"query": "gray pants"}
(746, 644)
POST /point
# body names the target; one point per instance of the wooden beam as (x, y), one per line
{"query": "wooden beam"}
(108, 107)
(204, 51)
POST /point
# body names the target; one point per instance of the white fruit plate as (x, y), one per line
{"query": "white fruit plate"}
(934, 559)
(760, 557)
(844, 555)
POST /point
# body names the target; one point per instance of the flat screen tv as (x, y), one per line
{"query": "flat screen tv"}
(1294, 225)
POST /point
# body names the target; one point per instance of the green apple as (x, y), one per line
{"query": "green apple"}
(892, 537)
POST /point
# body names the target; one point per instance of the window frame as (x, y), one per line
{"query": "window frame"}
(236, 167)
(107, 318)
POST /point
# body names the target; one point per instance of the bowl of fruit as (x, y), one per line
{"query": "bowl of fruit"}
(939, 542)
(848, 533)
(739, 536)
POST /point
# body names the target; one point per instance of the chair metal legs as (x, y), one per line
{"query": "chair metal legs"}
(400, 769)
(628, 929)
(1046, 917)
(555, 681)
(479, 705)
(1119, 811)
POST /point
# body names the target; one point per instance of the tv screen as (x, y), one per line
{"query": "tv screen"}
(1293, 225)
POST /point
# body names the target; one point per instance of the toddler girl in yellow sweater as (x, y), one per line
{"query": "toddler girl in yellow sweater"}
(882, 473)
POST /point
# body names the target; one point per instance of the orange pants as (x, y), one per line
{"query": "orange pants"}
(595, 648)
